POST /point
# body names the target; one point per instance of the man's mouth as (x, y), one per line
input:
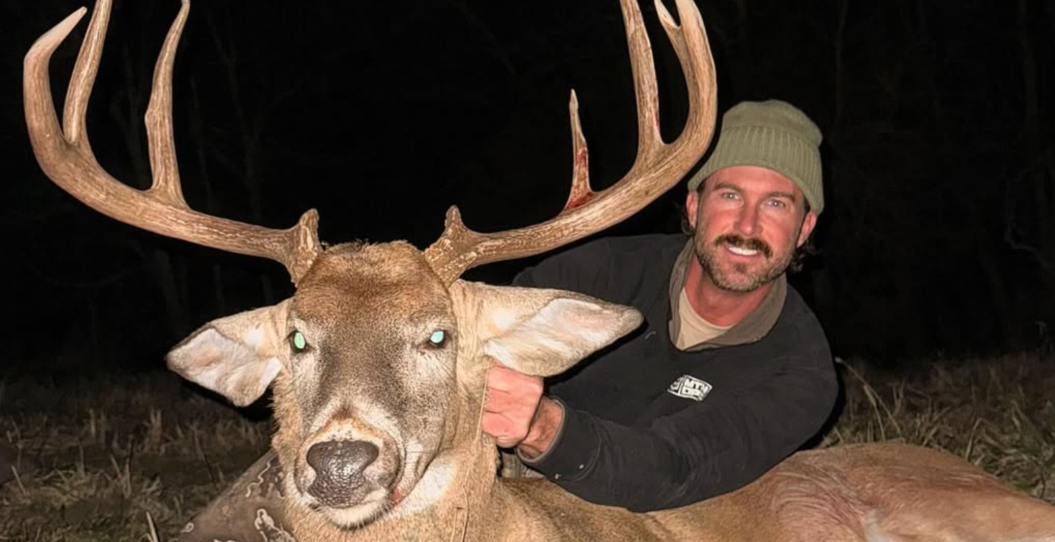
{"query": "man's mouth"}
(740, 251)
(746, 247)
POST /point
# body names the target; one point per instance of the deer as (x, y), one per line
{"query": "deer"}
(377, 361)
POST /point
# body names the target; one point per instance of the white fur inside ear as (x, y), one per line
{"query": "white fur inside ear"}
(504, 317)
(562, 333)
(225, 366)
(255, 337)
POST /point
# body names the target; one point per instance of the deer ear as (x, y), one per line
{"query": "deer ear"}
(236, 356)
(544, 332)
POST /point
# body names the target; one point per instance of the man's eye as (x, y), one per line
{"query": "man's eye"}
(298, 342)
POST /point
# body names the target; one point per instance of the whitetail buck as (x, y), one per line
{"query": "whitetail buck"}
(377, 360)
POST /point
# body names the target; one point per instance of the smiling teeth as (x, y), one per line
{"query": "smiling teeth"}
(743, 251)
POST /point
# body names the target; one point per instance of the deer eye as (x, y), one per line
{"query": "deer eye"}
(438, 339)
(298, 342)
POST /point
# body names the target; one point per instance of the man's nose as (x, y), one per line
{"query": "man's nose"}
(747, 222)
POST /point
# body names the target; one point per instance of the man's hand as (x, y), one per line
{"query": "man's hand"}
(512, 400)
(516, 413)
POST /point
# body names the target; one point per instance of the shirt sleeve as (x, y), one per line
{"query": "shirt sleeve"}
(703, 451)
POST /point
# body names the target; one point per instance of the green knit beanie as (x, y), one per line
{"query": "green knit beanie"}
(771, 134)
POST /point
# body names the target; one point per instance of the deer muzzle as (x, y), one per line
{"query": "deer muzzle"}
(345, 468)
(340, 467)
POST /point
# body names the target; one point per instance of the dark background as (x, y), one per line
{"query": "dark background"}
(938, 238)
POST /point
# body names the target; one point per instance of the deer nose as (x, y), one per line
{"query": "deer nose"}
(339, 466)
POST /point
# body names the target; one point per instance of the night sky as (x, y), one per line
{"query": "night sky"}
(938, 237)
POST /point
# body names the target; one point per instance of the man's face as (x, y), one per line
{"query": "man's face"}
(748, 221)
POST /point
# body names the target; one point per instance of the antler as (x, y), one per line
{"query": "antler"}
(66, 156)
(657, 168)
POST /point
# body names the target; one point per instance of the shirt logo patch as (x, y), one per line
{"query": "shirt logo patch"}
(690, 387)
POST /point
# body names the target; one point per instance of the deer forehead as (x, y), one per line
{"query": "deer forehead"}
(357, 285)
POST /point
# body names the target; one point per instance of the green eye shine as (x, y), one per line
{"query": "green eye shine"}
(438, 338)
(299, 342)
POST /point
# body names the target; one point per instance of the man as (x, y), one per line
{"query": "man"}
(728, 375)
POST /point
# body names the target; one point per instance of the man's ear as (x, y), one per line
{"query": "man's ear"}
(692, 207)
(543, 332)
(236, 356)
(808, 223)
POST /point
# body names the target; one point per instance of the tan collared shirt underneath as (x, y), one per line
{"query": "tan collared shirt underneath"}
(694, 329)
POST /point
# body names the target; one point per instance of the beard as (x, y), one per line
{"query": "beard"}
(740, 277)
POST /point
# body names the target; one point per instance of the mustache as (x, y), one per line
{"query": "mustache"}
(750, 243)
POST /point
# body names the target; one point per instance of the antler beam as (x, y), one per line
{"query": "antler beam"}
(66, 156)
(658, 166)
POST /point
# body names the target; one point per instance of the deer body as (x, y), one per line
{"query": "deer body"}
(378, 361)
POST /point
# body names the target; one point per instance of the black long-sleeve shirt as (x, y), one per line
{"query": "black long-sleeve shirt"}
(648, 426)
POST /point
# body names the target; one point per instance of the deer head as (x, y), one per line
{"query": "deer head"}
(377, 360)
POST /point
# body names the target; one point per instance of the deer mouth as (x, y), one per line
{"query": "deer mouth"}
(357, 515)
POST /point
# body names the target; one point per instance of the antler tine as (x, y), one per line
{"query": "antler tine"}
(657, 168)
(66, 157)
